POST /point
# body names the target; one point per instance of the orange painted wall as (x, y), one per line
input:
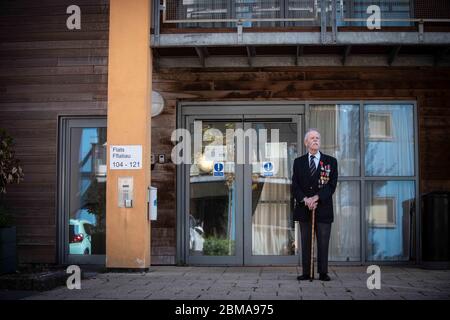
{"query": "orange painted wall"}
(129, 88)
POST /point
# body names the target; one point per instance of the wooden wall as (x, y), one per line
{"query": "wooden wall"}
(47, 71)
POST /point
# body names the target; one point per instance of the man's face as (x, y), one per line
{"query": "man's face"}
(312, 141)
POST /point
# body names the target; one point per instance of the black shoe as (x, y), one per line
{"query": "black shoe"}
(324, 277)
(303, 277)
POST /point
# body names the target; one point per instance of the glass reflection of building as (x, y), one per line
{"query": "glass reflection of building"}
(87, 206)
(388, 179)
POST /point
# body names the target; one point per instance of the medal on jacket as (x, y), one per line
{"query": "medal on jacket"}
(324, 174)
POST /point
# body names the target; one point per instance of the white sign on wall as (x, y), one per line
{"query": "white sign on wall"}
(126, 157)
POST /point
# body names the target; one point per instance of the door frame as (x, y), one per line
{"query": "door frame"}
(226, 110)
(66, 123)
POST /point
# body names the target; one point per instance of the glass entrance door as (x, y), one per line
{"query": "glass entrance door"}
(270, 232)
(238, 200)
(83, 191)
(214, 193)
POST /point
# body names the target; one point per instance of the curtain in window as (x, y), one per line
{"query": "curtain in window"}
(392, 241)
(272, 220)
(345, 240)
(339, 129)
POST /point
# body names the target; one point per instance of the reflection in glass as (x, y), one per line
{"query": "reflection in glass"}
(268, 9)
(273, 231)
(199, 10)
(212, 216)
(389, 140)
(394, 13)
(390, 216)
(339, 128)
(305, 9)
(345, 241)
(87, 203)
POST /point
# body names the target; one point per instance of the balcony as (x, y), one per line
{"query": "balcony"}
(245, 27)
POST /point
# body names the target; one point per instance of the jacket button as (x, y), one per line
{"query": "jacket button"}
(310, 188)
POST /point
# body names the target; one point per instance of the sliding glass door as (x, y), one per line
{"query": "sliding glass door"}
(214, 193)
(269, 229)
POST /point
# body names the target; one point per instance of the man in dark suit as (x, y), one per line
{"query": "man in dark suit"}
(314, 181)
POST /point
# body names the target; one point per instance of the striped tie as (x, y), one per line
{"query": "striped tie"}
(312, 166)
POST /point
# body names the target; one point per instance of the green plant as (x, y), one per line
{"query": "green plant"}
(218, 247)
(10, 169)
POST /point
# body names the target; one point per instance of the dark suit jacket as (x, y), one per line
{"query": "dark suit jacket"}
(305, 185)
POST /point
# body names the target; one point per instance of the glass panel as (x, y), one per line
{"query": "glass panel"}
(390, 10)
(389, 140)
(389, 218)
(339, 128)
(258, 9)
(87, 203)
(273, 231)
(303, 9)
(212, 216)
(345, 241)
(216, 10)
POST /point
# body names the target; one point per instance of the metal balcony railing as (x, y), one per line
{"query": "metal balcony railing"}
(394, 13)
(287, 13)
(249, 13)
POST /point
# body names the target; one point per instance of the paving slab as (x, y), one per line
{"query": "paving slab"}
(255, 283)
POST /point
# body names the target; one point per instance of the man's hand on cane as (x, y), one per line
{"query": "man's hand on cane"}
(311, 202)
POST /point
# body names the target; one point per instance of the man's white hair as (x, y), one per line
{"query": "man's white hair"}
(309, 131)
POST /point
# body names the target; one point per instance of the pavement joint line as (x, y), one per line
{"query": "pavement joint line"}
(421, 289)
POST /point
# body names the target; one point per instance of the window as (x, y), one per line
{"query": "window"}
(328, 118)
(338, 125)
(385, 213)
(389, 150)
(345, 240)
(389, 219)
(380, 126)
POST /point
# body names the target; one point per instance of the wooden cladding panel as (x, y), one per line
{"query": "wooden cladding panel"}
(47, 71)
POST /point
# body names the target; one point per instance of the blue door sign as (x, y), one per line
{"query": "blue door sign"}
(218, 169)
(267, 168)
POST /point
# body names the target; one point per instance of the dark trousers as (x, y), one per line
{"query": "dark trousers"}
(322, 232)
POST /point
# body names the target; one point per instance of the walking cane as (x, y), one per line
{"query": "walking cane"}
(311, 270)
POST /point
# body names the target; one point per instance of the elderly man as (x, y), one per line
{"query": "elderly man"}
(314, 180)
